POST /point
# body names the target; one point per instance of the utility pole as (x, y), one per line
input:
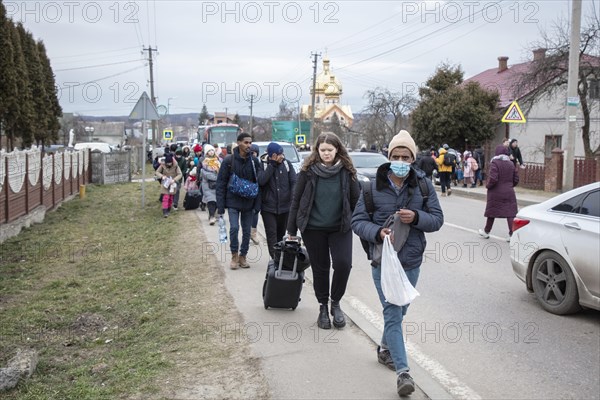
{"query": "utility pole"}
(226, 117)
(152, 98)
(251, 103)
(572, 97)
(314, 87)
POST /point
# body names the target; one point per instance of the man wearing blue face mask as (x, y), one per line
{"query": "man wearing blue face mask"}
(403, 190)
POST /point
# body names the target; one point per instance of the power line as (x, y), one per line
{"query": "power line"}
(95, 53)
(95, 66)
(106, 77)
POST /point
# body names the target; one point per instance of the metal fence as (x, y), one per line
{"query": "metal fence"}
(533, 176)
(585, 171)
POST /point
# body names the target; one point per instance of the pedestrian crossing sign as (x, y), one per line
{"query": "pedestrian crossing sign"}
(514, 115)
(300, 139)
(167, 135)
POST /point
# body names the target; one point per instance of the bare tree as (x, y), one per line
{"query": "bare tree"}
(548, 74)
(387, 112)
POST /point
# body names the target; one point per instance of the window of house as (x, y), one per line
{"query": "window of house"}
(551, 142)
(594, 89)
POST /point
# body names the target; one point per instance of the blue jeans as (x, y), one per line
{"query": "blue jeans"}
(235, 216)
(393, 315)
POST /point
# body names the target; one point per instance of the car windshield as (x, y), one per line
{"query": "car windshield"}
(368, 160)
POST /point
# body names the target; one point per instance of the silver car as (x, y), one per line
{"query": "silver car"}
(555, 250)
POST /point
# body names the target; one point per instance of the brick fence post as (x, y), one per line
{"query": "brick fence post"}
(554, 171)
(597, 177)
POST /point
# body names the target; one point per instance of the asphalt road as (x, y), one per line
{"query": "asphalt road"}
(475, 328)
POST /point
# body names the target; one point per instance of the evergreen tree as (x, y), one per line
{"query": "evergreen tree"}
(237, 120)
(203, 117)
(23, 116)
(453, 113)
(54, 111)
(8, 77)
(37, 84)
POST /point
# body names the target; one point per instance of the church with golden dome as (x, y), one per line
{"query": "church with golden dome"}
(328, 92)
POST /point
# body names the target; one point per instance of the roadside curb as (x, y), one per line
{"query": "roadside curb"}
(423, 379)
(522, 200)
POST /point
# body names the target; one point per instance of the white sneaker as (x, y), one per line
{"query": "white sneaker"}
(483, 234)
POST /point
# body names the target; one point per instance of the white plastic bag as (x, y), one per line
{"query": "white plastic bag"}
(167, 182)
(395, 285)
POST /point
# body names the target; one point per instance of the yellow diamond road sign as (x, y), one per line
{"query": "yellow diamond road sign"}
(514, 114)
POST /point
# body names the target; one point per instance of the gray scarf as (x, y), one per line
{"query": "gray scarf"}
(324, 171)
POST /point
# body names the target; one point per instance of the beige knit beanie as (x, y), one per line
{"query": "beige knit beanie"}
(403, 139)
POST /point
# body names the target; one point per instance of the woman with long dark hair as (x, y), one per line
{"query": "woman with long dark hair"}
(324, 198)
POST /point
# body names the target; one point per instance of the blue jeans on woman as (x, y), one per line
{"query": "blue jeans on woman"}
(393, 339)
(235, 218)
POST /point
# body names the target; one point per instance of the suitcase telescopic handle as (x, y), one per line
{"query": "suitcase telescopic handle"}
(294, 270)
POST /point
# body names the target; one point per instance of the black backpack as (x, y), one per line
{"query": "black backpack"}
(366, 188)
(449, 159)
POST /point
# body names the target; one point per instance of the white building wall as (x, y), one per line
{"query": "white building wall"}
(548, 117)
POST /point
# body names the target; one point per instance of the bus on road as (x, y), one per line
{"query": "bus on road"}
(222, 134)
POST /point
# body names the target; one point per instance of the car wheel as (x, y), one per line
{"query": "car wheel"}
(554, 284)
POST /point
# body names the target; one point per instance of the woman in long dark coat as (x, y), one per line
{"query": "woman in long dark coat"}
(501, 198)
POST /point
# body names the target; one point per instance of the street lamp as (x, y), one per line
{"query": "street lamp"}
(169, 104)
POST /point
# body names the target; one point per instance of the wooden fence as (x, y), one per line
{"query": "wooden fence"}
(30, 178)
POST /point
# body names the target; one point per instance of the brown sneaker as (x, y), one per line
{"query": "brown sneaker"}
(234, 264)
(450, 191)
(243, 262)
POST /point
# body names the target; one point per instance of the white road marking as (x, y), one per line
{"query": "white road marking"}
(462, 228)
(450, 382)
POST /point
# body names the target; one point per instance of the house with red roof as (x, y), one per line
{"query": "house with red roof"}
(546, 122)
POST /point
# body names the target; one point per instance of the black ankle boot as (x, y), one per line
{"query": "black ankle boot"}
(324, 322)
(339, 321)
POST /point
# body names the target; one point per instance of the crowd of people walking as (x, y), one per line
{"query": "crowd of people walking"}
(325, 204)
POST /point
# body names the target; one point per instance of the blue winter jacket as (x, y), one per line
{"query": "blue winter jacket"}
(243, 167)
(429, 216)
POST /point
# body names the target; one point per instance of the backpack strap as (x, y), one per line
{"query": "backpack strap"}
(368, 198)
(424, 191)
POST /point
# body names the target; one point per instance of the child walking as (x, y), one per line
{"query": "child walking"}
(169, 174)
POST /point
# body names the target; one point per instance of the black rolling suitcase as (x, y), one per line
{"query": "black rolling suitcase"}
(282, 287)
(192, 199)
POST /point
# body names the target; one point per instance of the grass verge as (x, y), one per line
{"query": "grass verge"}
(112, 297)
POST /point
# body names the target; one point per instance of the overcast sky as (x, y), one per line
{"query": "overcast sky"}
(219, 53)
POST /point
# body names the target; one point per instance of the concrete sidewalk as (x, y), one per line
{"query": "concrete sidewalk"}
(525, 197)
(300, 360)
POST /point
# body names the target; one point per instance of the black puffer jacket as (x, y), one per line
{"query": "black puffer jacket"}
(304, 195)
(277, 186)
(248, 168)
